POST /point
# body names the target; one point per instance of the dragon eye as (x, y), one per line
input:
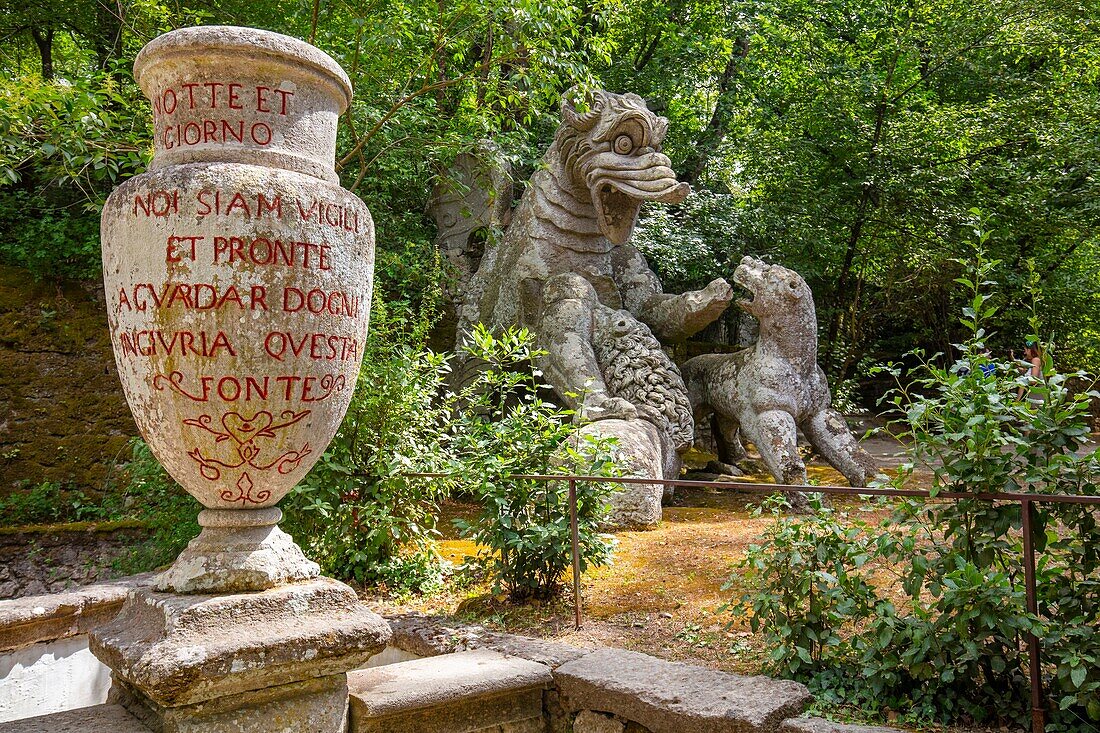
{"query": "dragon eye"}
(623, 144)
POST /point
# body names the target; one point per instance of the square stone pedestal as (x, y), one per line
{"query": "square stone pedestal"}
(273, 660)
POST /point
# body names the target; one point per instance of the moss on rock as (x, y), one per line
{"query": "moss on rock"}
(64, 418)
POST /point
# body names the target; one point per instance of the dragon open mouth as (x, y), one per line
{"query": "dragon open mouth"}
(620, 184)
(748, 275)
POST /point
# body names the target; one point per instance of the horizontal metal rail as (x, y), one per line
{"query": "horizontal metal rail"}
(1024, 499)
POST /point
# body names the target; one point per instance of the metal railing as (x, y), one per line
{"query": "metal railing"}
(1025, 500)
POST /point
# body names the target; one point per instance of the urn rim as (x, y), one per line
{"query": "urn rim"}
(246, 42)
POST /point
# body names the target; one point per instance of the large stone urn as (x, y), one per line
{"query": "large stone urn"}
(238, 280)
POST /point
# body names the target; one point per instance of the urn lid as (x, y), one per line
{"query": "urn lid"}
(243, 95)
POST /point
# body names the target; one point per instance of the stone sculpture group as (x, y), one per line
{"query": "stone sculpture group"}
(566, 271)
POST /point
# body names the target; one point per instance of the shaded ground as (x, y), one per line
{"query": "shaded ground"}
(664, 591)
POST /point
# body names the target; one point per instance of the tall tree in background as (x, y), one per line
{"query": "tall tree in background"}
(854, 138)
(845, 138)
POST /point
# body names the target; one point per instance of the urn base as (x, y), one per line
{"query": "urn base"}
(238, 550)
(240, 663)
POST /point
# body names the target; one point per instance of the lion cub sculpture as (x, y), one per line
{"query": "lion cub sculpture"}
(767, 392)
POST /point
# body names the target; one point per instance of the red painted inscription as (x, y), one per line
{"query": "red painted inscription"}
(281, 345)
(253, 387)
(264, 251)
(191, 296)
(138, 342)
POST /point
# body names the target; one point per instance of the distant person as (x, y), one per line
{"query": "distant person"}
(1033, 357)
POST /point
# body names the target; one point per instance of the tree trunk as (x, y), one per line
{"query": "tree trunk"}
(715, 132)
(44, 40)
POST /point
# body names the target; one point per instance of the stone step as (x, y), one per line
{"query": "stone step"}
(673, 697)
(477, 691)
(96, 719)
(821, 725)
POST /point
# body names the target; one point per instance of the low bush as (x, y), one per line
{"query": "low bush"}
(364, 517)
(358, 512)
(506, 429)
(926, 614)
(147, 493)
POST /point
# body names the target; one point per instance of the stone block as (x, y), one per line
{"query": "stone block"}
(427, 636)
(462, 692)
(98, 718)
(544, 651)
(821, 725)
(672, 697)
(34, 619)
(186, 649)
(311, 706)
(588, 721)
(531, 725)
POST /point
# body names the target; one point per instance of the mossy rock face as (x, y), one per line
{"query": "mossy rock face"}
(63, 416)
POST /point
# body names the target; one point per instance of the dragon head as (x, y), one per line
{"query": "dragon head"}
(614, 151)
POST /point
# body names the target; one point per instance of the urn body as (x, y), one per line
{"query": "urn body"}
(238, 273)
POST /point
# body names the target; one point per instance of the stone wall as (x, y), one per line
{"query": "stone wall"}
(62, 414)
(53, 560)
(470, 680)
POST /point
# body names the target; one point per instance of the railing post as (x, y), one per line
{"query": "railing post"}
(1037, 721)
(574, 532)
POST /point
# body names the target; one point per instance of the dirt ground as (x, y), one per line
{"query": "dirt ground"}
(663, 593)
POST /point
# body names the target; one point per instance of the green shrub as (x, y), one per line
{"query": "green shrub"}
(63, 146)
(47, 238)
(505, 429)
(358, 512)
(953, 648)
(148, 494)
(43, 503)
(810, 587)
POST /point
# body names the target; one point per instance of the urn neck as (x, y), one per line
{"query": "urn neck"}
(242, 95)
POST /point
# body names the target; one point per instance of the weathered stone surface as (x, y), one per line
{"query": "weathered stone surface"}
(96, 719)
(450, 693)
(238, 550)
(284, 95)
(531, 725)
(642, 454)
(672, 697)
(309, 706)
(588, 721)
(53, 341)
(473, 197)
(766, 392)
(185, 649)
(238, 273)
(564, 270)
(35, 619)
(821, 725)
(544, 651)
(41, 560)
(428, 636)
(437, 680)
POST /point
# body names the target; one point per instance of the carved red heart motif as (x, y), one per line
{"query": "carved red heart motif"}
(243, 429)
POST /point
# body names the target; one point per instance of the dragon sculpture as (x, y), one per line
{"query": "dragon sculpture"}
(564, 269)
